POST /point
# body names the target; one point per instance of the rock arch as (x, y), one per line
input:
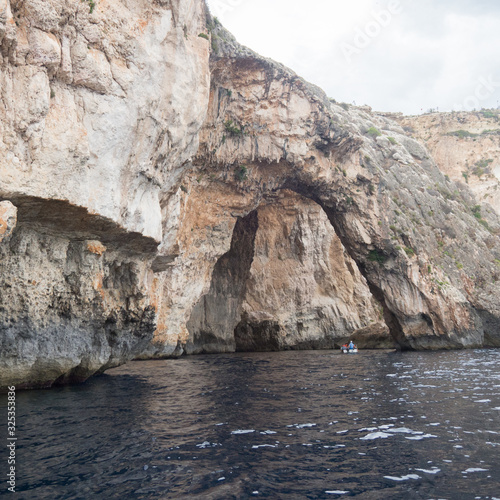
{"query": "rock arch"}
(286, 283)
(396, 214)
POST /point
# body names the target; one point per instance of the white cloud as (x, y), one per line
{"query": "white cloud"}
(429, 55)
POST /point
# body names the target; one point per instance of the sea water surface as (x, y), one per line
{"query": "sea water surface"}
(299, 424)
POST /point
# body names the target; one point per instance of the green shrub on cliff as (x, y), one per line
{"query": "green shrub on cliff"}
(91, 5)
(481, 167)
(461, 134)
(241, 173)
(488, 113)
(232, 129)
(376, 256)
(409, 251)
(374, 132)
(476, 212)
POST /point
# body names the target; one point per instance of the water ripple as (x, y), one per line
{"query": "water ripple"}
(273, 425)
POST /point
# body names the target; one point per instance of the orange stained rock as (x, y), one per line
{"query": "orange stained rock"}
(153, 295)
(3, 221)
(141, 24)
(7, 218)
(97, 283)
(96, 247)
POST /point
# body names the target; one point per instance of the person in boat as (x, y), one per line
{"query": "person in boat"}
(351, 345)
(345, 347)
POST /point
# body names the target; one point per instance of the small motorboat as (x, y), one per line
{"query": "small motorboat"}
(348, 350)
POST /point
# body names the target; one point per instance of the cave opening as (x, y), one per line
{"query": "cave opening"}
(213, 319)
(395, 329)
(287, 282)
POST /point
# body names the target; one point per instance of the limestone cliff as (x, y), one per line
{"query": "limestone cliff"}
(287, 282)
(95, 133)
(166, 190)
(411, 230)
(466, 147)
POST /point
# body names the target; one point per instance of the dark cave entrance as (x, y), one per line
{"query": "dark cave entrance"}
(232, 317)
(215, 316)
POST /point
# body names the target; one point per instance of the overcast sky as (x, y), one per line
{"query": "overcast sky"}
(395, 55)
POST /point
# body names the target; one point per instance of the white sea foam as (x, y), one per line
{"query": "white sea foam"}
(376, 435)
(434, 470)
(404, 430)
(336, 492)
(255, 446)
(418, 438)
(474, 469)
(243, 431)
(403, 478)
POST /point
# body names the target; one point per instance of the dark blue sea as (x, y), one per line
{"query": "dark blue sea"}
(289, 425)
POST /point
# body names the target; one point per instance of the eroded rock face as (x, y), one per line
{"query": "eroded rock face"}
(416, 236)
(93, 104)
(303, 290)
(63, 314)
(465, 146)
(8, 220)
(214, 318)
(286, 282)
(95, 134)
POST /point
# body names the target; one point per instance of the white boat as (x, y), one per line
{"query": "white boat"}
(349, 351)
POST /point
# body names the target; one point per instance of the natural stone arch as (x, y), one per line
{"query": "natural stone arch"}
(387, 200)
(286, 282)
